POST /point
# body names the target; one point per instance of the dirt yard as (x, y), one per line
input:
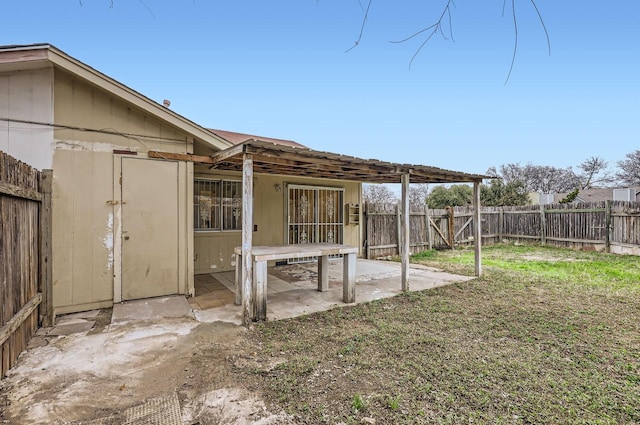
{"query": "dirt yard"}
(101, 377)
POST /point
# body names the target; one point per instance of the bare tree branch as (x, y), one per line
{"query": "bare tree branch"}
(139, 1)
(364, 23)
(515, 40)
(515, 28)
(436, 27)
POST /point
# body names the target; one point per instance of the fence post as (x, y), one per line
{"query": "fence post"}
(428, 227)
(500, 224)
(365, 230)
(607, 230)
(451, 233)
(46, 267)
(543, 226)
(399, 227)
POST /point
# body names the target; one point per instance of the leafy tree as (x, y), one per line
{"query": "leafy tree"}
(498, 193)
(630, 169)
(378, 194)
(452, 196)
(570, 197)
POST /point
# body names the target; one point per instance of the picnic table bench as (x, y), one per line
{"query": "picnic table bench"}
(262, 254)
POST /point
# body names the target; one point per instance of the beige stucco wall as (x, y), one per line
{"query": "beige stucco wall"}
(214, 250)
(85, 220)
(27, 96)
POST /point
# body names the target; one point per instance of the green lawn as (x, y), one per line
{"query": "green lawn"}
(545, 336)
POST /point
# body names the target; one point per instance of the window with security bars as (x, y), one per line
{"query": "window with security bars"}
(315, 214)
(217, 205)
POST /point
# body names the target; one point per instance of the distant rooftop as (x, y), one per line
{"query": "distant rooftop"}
(238, 138)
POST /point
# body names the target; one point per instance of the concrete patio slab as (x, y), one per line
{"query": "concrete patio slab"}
(151, 309)
(299, 296)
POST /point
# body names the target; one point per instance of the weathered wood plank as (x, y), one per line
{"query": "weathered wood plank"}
(247, 241)
(19, 192)
(12, 325)
(477, 234)
(405, 235)
(181, 157)
(46, 250)
(349, 278)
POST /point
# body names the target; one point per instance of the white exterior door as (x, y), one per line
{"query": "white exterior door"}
(149, 228)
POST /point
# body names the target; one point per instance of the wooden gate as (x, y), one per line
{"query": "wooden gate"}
(25, 256)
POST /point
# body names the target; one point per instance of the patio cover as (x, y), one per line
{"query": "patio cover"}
(259, 156)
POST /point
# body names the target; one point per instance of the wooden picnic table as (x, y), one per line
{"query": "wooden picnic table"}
(262, 254)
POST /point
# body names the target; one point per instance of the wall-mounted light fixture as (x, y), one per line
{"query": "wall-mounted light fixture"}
(277, 187)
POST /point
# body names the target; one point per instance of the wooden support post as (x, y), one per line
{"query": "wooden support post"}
(365, 230)
(477, 229)
(239, 281)
(399, 228)
(405, 232)
(247, 241)
(323, 273)
(543, 226)
(46, 270)
(349, 278)
(260, 291)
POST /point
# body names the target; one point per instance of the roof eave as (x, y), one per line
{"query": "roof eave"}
(38, 55)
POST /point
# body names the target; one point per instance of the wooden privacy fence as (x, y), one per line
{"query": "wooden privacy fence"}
(613, 226)
(25, 253)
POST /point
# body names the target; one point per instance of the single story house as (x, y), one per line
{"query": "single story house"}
(144, 198)
(595, 194)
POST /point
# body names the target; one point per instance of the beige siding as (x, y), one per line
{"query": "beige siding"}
(83, 228)
(85, 223)
(78, 104)
(27, 95)
(214, 250)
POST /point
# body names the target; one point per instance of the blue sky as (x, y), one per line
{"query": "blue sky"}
(279, 69)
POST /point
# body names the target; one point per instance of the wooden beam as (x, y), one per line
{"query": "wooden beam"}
(181, 157)
(248, 312)
(437, 229)
(46, 251)
(405, 232)
(227, 153)
(464, 226)
(12, 325)
(477, 237)
(19, 192)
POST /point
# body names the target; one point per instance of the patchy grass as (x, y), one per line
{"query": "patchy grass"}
(546, 336)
